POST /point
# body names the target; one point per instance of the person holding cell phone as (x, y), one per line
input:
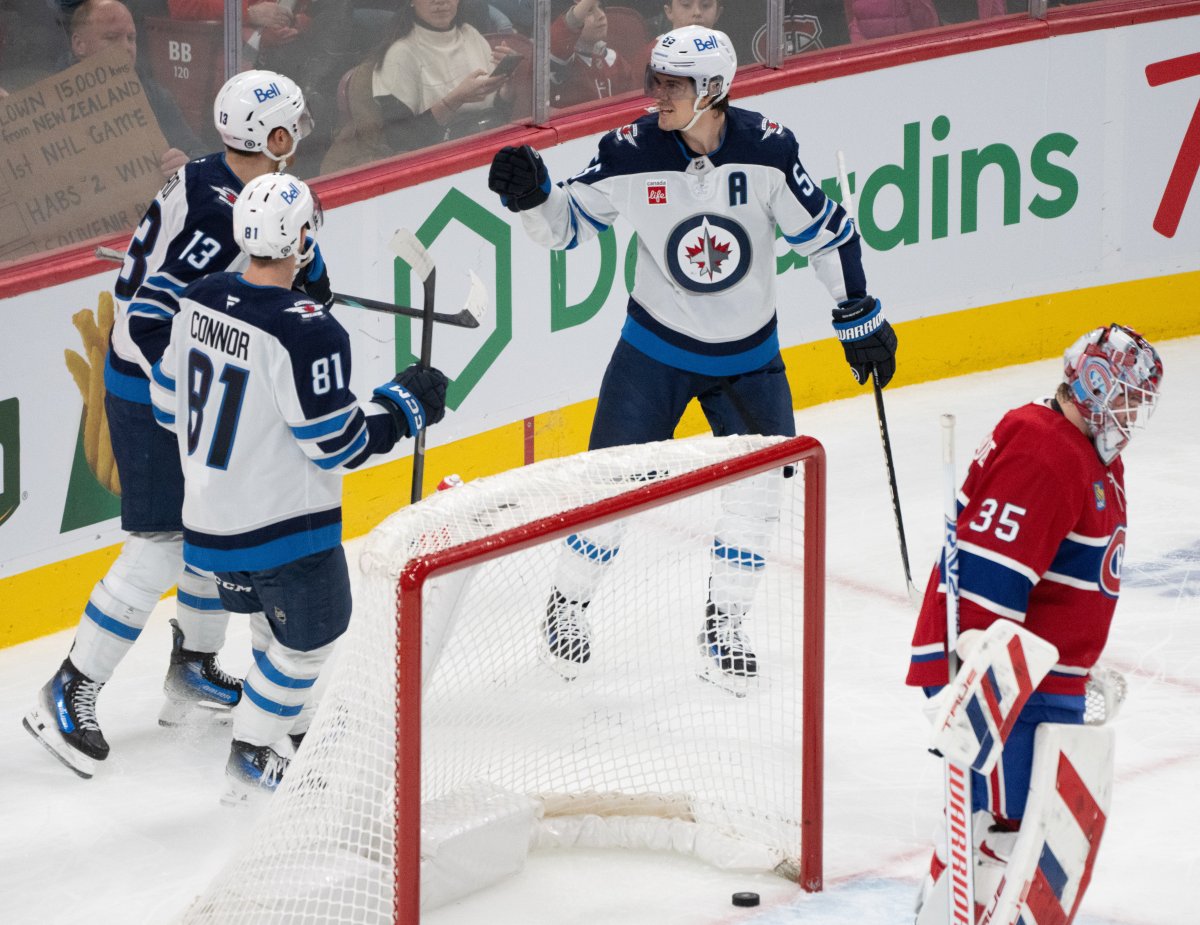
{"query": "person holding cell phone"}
(433, 78)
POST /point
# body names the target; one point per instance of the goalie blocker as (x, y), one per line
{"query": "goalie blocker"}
(1038, 874)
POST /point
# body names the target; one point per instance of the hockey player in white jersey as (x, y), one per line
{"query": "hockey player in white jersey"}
(186, 233)
(256, 382)
(704, 184)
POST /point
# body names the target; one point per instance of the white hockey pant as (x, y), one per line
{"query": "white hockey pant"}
(121, 602)
(277, 688)
(744, 539)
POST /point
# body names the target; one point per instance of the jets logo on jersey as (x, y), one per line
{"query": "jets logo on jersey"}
(1110, 567)
(626, 133)
(708, 253)
(306, 310)
(225, 195)
(770, 128)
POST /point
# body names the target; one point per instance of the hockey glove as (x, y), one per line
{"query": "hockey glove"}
(867, 339)
(313, 278)
(415, 398)
(520, 177)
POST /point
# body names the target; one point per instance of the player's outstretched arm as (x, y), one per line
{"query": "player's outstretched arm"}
(867, 339)
(519, 177)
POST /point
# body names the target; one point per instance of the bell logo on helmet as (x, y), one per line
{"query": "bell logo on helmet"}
(706, 44)
(270, 93)
(289, 195)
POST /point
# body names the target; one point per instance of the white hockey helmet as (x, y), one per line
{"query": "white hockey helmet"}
(271, 214)
(705, 55)
(1114, 375)
(253, 104)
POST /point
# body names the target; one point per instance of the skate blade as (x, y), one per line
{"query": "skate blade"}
(191, 713)
(240, 794)
(737, 685)
(51, 739)
(563, 667)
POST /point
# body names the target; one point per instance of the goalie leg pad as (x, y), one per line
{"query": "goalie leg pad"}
(1069, 798)
(987, 695)
(121, 602)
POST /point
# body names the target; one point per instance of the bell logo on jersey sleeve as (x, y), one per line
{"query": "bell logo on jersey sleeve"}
(708, 253)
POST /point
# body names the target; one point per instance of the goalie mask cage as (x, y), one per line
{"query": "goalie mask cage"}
(446, 744)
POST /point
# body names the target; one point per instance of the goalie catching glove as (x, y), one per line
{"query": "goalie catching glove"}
(867, 339)
(415, 398)
(520, 177)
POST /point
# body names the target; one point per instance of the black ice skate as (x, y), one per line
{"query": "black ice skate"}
(64, 720)
(568, 635)
(252, 772)
(729, 660)
(198, 691)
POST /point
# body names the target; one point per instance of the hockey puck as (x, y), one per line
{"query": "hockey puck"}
(745, 899)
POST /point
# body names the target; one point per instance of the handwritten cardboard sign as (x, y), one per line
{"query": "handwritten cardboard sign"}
(79, 156)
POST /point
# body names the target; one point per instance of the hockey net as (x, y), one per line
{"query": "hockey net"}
(443, 718)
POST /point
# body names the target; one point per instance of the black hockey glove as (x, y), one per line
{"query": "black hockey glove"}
(520, 177)
(313, 278)
(415, 398)
(867, 339)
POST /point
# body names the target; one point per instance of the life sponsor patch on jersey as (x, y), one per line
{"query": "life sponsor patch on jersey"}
(708, 253)
(656, 192)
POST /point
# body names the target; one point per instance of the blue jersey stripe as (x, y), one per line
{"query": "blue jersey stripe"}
(131, 388)
(1079, 560)
(993, 581)
(320, 429)
(681, 358)
(270, 554)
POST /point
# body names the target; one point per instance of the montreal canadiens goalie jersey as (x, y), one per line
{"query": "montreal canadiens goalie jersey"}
(255, 383)
(187, 232)
(1041, 536)
(704, 288)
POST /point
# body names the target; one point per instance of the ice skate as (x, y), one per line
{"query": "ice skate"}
(568, 636)
(729, 660)
(64, 720)
(198, 692)
(252, 773)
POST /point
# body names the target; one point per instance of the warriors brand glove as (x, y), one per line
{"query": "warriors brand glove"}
(867, 339)
(520, 177)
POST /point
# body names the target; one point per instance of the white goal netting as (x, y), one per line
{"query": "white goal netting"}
(651, 745)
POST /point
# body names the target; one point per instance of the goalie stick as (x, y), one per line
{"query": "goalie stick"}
(913, 596)
(960, 837)
(469, 316)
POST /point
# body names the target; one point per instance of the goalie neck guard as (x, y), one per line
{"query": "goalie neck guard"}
(1114, 375)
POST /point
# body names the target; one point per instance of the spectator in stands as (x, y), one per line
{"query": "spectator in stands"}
(874, 19)
(97, 25)
(33, 42)
(583, 66)
(429, 81)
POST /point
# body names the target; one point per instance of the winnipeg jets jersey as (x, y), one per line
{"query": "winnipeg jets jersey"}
(704, 288)
(255, 383)
(186, 233)
(1041, 536)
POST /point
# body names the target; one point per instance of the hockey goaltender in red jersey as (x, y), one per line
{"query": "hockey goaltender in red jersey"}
(1041, 537)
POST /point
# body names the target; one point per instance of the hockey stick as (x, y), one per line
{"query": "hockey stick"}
(467, 317)
(404, 244)
(880, 414)
(960, 836)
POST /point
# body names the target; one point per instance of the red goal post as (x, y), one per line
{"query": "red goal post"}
(800, 451)
(447, 743)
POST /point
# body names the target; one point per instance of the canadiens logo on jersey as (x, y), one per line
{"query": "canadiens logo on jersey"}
(1110, 566)
(708, 253)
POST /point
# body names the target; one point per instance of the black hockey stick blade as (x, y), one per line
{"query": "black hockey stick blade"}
(465, 318)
